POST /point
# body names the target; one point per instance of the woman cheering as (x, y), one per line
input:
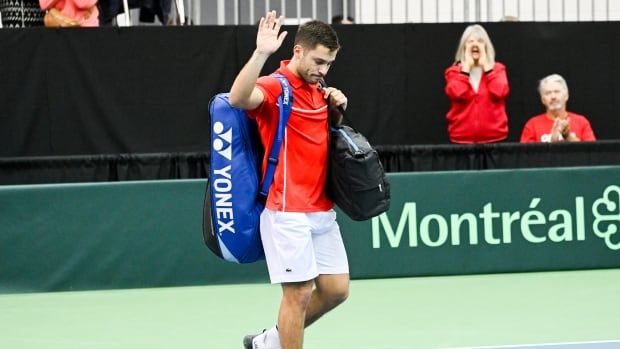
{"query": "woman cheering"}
(477, 87)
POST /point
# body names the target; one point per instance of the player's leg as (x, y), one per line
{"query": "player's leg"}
(295, 299)
(332, 284)
(289, 252)
(331, 290)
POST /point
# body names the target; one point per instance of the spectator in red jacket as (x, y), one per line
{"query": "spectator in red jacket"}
(477, 87)
(557, 124)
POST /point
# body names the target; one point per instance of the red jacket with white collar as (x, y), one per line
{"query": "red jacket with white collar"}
(477, 117)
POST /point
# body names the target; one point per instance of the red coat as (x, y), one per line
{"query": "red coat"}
(477, 117)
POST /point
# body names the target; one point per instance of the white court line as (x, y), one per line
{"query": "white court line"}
(539, 345)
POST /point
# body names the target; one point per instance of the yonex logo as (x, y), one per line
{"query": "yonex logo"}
(222, 187)
(222, 144)
(285, 95)
(222, 180)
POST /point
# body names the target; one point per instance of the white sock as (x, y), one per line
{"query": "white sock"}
(269, 339)
(272, 338)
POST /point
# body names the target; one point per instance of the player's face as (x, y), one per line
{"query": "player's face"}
(315, 63)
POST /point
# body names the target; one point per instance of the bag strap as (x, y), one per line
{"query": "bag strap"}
(285, 101)
(334, 126)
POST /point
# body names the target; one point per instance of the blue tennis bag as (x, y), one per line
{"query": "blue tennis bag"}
(236, 192)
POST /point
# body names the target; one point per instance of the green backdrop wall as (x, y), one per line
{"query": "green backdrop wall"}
(109, 235)
(149, 233)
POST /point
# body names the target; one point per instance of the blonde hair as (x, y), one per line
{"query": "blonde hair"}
(478, 30)
(552, 78)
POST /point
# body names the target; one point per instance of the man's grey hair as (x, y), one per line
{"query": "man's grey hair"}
(478, 30)
(552, 78)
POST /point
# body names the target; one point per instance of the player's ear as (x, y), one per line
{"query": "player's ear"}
(298, 51)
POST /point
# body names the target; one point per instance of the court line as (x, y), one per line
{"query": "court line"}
(538, 345)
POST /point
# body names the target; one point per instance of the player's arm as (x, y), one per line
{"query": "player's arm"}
(244, 93)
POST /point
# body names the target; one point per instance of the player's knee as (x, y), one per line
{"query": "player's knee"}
(342, 295)
(298, 293)
(338, 294)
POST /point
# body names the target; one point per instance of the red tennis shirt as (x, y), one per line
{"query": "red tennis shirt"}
(299, 180)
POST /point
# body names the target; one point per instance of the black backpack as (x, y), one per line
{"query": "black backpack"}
(356, 181)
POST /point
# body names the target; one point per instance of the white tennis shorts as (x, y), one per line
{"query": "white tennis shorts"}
(299, 246)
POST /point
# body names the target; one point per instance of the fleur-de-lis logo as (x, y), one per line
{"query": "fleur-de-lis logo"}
(606, 211)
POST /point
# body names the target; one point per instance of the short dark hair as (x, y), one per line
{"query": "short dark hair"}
(313, 33)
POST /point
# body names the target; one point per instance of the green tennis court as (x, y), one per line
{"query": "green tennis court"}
(424, 312)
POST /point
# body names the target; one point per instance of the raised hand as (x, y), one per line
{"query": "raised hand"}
(469, 61)
(267, 40)
(484, 59)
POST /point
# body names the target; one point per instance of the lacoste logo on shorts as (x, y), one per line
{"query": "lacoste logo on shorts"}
(289, 270)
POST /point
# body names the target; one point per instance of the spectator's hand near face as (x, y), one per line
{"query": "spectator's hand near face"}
(484, 60)
(469, 60)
